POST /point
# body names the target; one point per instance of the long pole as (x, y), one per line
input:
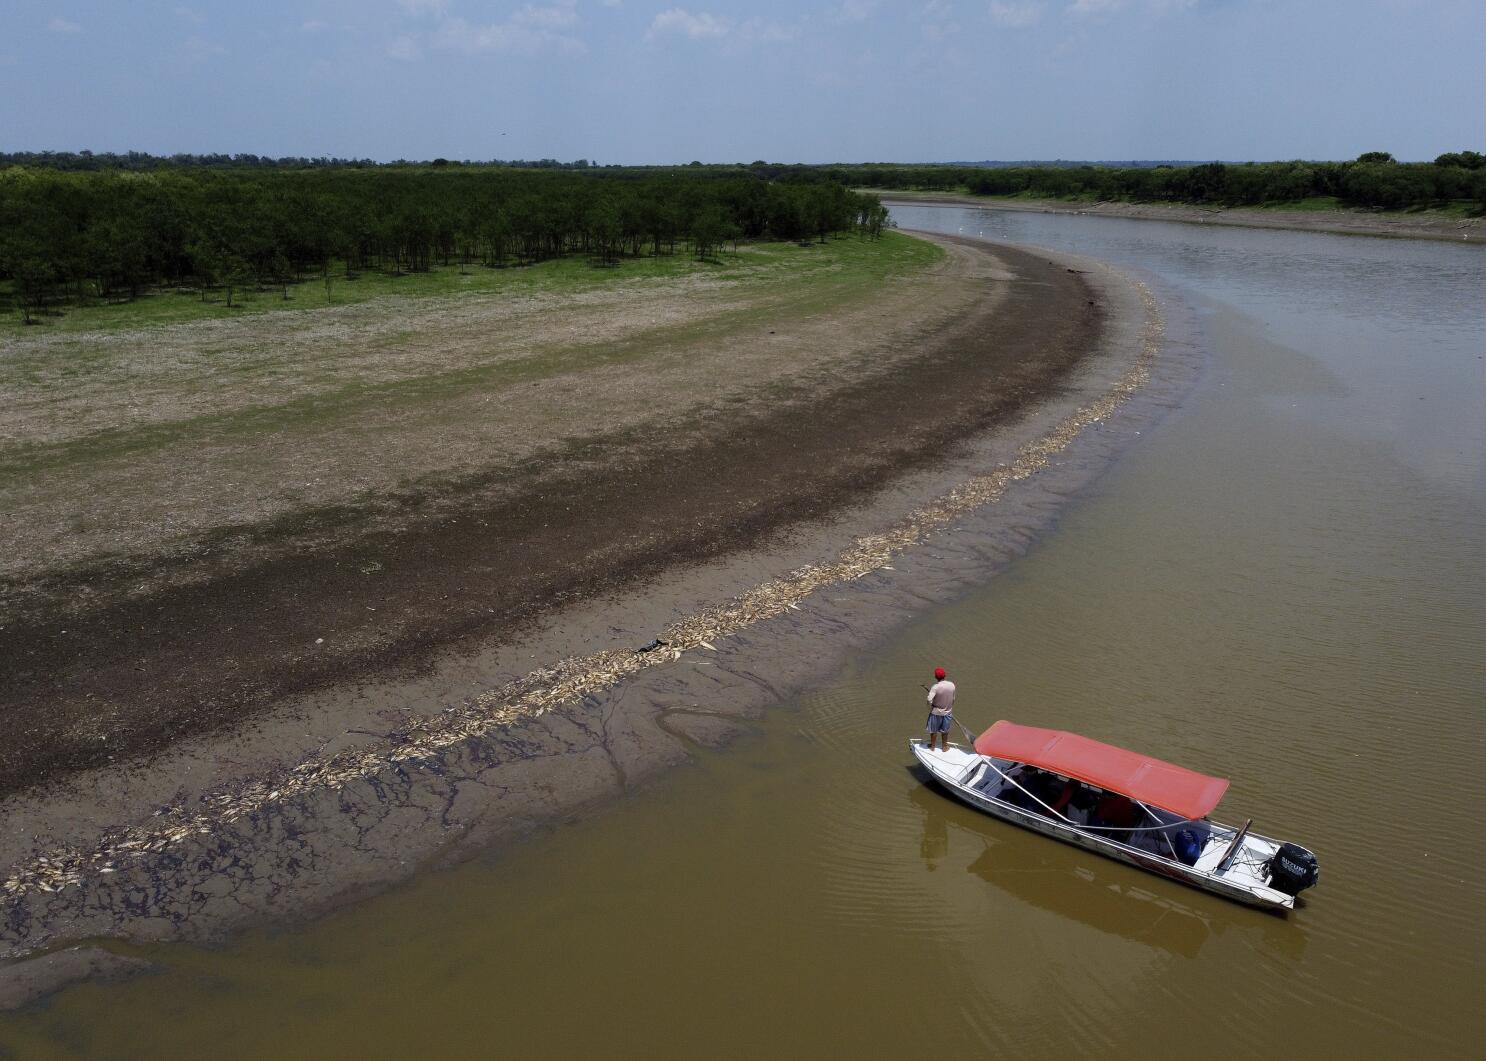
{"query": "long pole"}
(1233, 848)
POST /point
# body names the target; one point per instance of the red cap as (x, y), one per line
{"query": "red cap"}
(939, 674)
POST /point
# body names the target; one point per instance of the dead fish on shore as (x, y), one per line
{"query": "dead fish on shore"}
(571, 679)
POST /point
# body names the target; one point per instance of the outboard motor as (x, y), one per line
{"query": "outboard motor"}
(1293, 869)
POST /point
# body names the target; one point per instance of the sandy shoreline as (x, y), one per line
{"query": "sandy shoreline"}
(1344, 222)
(347, 792)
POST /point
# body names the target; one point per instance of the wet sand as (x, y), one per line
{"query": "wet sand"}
(349, 785)
(1398, 225)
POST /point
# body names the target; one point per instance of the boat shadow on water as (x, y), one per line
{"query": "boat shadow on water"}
(1106, 896)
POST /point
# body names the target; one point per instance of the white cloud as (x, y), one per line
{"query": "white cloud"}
(856, 10)
(1095, 8)
(512, 35)
(937, 20)
(190, 15)
(314, 25)
(548, 18)
(405, 49)
(63, 25)
(756, 31)
(531, 29)
(683, 22)
(1016, 15)
(703, 26)
(197, 50)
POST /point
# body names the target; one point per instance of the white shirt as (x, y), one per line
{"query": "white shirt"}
(942, 697)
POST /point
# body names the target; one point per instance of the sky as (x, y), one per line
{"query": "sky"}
(669, 81)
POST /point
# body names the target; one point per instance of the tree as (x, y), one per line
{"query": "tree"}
(708, 230)
(282, 272)
(1462, 159)
(1204, 183)
(235, 273)
(872, 217)
(226, 221)
(604, 232)
(33, 278)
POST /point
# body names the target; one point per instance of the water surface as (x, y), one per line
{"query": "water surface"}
(1285, 583)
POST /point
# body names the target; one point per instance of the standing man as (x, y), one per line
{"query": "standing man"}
(941, 708)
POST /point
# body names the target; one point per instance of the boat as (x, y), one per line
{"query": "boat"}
(1121, 804)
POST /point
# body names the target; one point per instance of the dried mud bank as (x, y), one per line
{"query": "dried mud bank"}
(301, 499)
(356, 787)
(1344, 222)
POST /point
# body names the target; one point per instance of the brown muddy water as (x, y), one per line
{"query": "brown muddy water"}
(1284, 582)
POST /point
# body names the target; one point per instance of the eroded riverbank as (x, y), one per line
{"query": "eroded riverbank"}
(1394, 224)
(356, 787)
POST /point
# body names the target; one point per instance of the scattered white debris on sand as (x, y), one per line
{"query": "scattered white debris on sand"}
(576, 677)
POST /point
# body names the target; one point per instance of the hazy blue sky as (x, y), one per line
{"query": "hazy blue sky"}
(721, 80)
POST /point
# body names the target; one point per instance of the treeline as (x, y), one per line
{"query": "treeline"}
(79, 236)
(1374, 180)
(87, 161)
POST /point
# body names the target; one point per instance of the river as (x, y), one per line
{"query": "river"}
(1284, 582)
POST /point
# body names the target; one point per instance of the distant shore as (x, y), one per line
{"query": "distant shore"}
(1399, 225)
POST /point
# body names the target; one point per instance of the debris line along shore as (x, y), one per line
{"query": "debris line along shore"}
(569, 680)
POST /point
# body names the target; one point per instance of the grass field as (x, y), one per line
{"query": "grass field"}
(132, 429)
(748, 262)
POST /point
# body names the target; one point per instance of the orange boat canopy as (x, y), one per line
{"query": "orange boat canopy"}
(1173, 788)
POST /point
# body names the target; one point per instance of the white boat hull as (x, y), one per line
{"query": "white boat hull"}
(960, 771)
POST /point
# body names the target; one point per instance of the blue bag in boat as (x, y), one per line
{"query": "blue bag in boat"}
(1187, 847)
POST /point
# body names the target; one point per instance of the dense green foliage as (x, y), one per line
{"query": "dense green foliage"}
(83, 235)
(1374, 180)
(142, 160)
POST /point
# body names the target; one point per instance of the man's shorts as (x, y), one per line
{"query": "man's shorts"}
(938, 723)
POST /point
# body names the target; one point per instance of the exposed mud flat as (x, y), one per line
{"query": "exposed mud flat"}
(357, 784)
(162, 583)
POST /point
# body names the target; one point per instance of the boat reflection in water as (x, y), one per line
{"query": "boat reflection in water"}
(1110, 898)
(1122, 908)
(935, 845)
